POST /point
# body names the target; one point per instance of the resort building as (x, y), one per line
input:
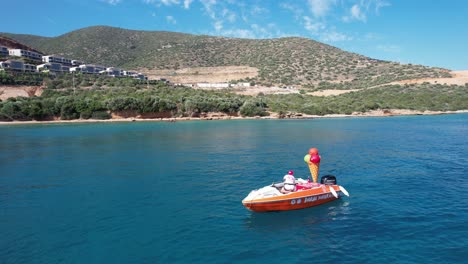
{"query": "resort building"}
(3, 51)
(111, 71)
(86, 68)
(99, 68)
(140, 76)
(30, 67)
(13, 65)
(245, 84)
(56, 59)
(25, 53)
(57, 64)
(75, 69)
(213, 85)
(129, 73)
(76, 62)
(65, 68)
(50, 67)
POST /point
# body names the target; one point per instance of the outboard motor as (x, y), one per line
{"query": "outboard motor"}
(328, 180)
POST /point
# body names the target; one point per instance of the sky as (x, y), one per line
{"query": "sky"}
(428, 32)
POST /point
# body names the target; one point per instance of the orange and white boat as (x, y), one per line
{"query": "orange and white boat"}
(269, 198)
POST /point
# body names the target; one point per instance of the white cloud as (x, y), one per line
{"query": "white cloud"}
(357, 14)
(333, 36)
(255, 31)
(111, 2)
(171, 20)
(371, 36)
(187, 3)
(292, 8)
(262, 32)
(320, 8)
(170, 2)
(229, 15)
(167, 2)
(218, 25)
(257, 10)
(379, 4)
(311, 26)
(238, 33)
(208, 6)
(389, 48)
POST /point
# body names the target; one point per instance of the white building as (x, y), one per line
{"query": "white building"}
(213, 85)
(114, 72)
(87, 68)
(129, 73)
(13, 65)
(245, 84)
(140, 76)
(56, 59)
(76, 62)
(25, 53)
(75, 69)
(50, 67)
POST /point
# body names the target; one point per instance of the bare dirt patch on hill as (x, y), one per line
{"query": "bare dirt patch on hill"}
(458, 78)
(203, 74)
(15, 91)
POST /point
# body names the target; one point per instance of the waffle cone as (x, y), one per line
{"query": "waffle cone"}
(314, 170)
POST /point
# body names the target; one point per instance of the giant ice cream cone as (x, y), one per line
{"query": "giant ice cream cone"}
(314, 170)
(314, 165)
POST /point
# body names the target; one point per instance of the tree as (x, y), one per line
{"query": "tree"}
(253, 108)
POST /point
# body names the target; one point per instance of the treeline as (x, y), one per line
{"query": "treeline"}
(80, 80)
(99, 103)
(23, 78)
(420, 97)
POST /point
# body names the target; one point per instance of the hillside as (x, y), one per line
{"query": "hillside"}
(12, 44)
(279, 62)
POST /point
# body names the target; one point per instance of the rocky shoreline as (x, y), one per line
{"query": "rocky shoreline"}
(214, 116)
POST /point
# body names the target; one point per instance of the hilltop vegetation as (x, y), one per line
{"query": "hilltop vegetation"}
(283, 61)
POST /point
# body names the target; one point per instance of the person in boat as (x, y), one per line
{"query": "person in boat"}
(289, 183)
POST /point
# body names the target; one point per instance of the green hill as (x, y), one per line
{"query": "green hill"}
(282, 61)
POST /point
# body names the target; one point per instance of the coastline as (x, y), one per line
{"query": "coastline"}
(375, 113)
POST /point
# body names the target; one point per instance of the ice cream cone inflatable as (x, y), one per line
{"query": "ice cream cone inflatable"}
(314, 170)
(313, 161)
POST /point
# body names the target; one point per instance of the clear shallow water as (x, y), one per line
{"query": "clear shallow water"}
(171, 192)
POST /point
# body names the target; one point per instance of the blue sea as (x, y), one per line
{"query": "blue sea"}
(160, 192)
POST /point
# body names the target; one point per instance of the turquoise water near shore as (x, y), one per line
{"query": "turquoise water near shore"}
(156, 192)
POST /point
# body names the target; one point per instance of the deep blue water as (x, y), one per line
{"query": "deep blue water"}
(155, 192)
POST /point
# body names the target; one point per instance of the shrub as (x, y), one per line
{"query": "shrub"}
(123, 103)
(101, 115)
(253, 108)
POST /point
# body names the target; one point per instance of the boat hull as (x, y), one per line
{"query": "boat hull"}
(293, 201)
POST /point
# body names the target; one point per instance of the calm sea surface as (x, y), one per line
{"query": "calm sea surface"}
(155, 192)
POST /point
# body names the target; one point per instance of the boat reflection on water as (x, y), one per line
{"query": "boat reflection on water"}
(310, 217)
